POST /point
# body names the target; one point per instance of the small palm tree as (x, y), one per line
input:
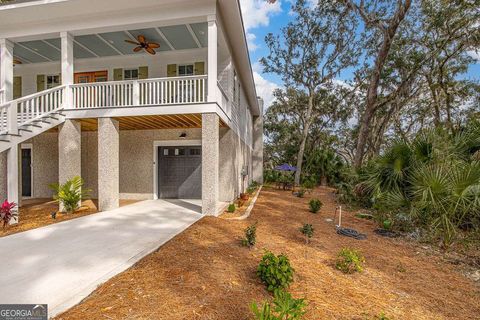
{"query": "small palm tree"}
(70, 194)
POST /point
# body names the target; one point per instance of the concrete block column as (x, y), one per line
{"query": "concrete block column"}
(210, 162)
(13, 191)
(108, 164)
(3, 176)
(69, 151)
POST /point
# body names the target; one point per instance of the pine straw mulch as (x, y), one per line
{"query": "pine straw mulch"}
(204, 273)
(36, 213)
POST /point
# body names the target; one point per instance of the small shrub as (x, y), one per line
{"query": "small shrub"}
(382, 316)
(307, 231)
(7, 212)
(387, 224)
(284, 307)
(275, 271)
(350, 261)
(70, 193)
(250, 236)
(300, 193)
(231, 208)
(315, 205)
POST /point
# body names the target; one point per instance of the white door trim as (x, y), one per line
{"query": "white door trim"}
(28, 146)
(167, 143)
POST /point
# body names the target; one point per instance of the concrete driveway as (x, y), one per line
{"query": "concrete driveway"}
(63, 263)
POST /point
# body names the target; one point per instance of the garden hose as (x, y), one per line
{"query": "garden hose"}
(346, 231)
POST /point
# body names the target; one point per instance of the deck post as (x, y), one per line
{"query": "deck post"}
(210, 162)
(6, 68)
(108, 164)
(212, 59)
(67, 67)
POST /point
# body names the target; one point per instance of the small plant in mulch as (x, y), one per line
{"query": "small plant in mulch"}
(275, 271)
(387, 224)
(250, 236)
(70, 193)
(315, 205)
(381, 316)
(283, 306)
(231, 208)
(307, 231)
(349, 261)
(7, 212)
(300, 193)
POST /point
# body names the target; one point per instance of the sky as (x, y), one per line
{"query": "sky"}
(261, 18)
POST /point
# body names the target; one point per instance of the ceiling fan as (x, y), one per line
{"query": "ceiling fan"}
(143, 44)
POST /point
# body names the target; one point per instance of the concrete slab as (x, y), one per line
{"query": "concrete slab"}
(63, 263)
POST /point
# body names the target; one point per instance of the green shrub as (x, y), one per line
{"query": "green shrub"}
(231, 208)
(307, 231)
(284, 307)
(350, 261)
(300, 193)
(70, 193)
(387, 224)
(315, 205)
(250, 236)
(275, 271)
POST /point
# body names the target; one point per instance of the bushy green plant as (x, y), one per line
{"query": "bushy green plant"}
(284, 306)
(70, 193)
(307, 230)
(315, 205)
(275, 271)
(300, 193)
(250, 236)
(349, 261)
(231, 208)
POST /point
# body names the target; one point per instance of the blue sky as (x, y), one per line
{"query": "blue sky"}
(261, 18)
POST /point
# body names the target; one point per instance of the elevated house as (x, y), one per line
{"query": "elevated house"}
(144, 99)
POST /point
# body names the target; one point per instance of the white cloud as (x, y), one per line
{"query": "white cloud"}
(475, 54)
(257, 13)
(265, 87)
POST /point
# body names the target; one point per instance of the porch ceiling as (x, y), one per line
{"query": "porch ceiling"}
(179, 121)
(176, 37)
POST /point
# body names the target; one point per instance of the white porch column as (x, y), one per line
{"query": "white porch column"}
(212, 59)
(69, 151)
(210, 162)
(6, 68)
(257, 152)
(108, 164)
(67, 66)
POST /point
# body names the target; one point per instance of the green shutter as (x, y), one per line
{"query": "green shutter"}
(17, 87)
(117, 74)
(199, 68)
(142, 72)
(171, 70)
(40, 82)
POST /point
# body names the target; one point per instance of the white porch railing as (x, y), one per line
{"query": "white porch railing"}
(161, 91)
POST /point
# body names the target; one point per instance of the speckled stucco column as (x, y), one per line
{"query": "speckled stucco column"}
(69, 151)
(210, 162)
(108, 164)
(3, 176)
(257, 152)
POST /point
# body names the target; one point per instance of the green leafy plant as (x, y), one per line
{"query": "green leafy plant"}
(300, 193)
(250, 236)
(349, 261)
(275, 271)
(231, 208)
(70, 193)
(307, 231)
(283, 307)
(387, 224)
(315, 205)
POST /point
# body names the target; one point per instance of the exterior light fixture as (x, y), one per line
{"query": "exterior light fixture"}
(183, 135)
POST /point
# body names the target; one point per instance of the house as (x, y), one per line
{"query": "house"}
(143, 99)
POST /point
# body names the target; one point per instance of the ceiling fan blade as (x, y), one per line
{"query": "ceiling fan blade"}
(132, 42)
(141, 38)
(154, 45)
(150, 50)
(137, 49)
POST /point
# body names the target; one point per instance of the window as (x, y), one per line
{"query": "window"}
(130, 74)
(185, 70)
(53, 81)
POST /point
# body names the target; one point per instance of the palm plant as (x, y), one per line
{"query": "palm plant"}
(70, 194)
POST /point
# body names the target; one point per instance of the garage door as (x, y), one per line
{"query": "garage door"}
(180, 172)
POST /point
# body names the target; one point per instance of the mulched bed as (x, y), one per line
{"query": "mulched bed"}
(205, 273)
(37, 213)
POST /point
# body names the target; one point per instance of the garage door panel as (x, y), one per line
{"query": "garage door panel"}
(179, 172)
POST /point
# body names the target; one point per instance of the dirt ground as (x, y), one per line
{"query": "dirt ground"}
(36, 213)
(204, 273)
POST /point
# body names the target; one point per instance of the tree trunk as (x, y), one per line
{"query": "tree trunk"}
(306, 128)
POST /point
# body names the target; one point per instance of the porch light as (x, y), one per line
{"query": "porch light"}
(183, 135)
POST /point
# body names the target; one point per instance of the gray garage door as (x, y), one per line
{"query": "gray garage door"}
(180, 172)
